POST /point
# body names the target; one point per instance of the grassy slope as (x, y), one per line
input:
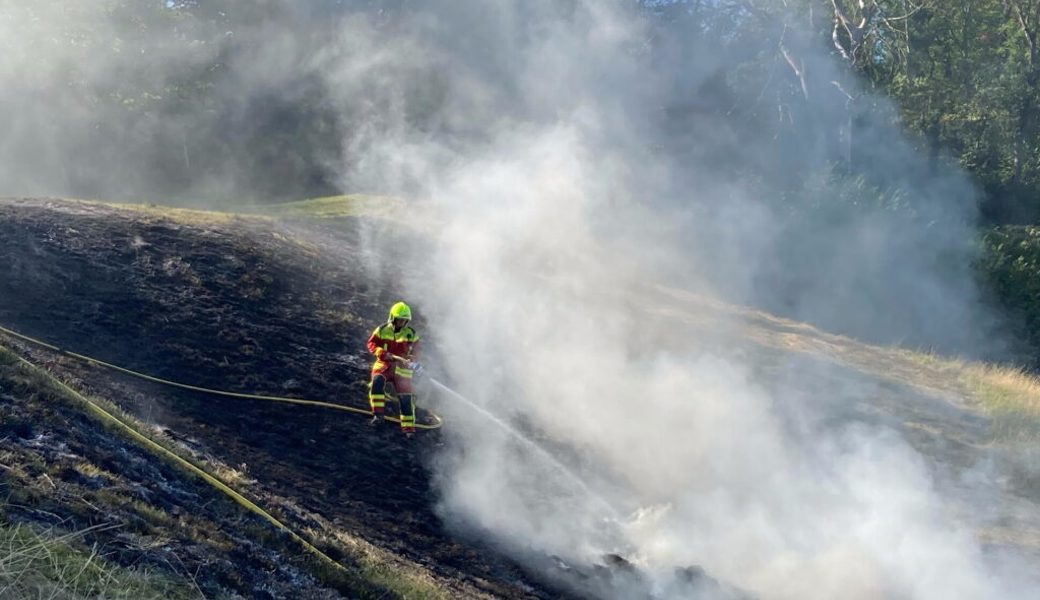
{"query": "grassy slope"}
(341, 206)
(1007, 396)
(54, 564)
(374, 572)
(50, 562)
(328, 207)
(1007, 393)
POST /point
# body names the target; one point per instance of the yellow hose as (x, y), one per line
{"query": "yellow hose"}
(435, 425)
(183, 462)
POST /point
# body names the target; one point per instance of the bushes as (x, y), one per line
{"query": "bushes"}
(1010, 264)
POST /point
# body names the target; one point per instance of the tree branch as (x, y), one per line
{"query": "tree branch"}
(836, 40)
(799, 69)
(1028, 29)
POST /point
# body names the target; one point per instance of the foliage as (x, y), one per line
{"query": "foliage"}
(169, 102)
(964, 76)
(967, 88)
(1011, 266)
(189, 110)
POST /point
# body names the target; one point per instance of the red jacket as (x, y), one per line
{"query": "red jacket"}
(403, 343)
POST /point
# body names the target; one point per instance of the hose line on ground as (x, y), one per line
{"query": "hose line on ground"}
(437, 421)
(179, 460)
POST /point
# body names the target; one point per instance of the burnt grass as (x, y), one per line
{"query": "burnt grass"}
(62, 472)
(238, 304)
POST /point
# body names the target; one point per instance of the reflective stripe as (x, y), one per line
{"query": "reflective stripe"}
(406, 373)
(376, 396)
(386, 332)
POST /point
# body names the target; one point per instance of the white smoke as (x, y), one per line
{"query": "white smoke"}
(555, 221)
(544, 320)
(572, 164)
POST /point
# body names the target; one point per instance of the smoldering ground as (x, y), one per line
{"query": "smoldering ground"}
(575, 155)
(557, 221)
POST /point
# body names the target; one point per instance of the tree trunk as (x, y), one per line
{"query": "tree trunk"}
(1029, 23)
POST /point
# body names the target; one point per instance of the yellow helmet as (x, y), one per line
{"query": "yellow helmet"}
(400, 311)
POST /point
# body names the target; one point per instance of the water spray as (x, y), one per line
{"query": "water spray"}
(532, 445)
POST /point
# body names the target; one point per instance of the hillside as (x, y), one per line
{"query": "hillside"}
(232, 303)
(281, 307)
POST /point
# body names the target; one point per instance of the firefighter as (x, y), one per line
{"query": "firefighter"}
(394, 345)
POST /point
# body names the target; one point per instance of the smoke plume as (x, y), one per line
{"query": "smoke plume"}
(592, 181)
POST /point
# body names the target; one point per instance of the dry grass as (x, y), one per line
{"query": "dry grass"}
(1009, 395)
(385, 570)
(1006, 388)
(186, 216)
(328, 207)
(55, 565)
(236, 478)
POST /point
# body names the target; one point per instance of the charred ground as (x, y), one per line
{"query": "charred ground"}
(281, 307)
(234, 303)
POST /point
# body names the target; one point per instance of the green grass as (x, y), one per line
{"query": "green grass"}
(53, 564)
(331, 207)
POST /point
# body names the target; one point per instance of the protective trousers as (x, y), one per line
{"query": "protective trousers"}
(405, 395)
